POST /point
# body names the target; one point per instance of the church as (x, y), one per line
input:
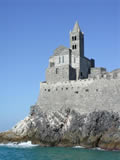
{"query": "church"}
(70, 63)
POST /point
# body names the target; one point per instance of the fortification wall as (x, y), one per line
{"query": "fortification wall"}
(84, 95)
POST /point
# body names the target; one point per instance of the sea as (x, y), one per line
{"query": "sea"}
(27, 151)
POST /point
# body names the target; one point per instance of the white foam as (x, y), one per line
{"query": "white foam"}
(78, 147)
(90, 148)
(100, 149)
(19, 145)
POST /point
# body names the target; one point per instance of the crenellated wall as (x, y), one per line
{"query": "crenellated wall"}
(84, 95)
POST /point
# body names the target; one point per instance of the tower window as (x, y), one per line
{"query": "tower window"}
(74, 38)
(74, 46)
(62, 59)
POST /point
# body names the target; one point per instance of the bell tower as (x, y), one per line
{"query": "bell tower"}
(77, 41)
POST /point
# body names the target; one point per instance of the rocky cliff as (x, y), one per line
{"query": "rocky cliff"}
(67, 127)
(70, 126)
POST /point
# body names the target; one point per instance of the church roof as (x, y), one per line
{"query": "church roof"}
(59, 50)
(76, 27)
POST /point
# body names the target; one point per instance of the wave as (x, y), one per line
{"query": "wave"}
(19, 145)
(78, 147)
(90, 148)
(106, 149)
(100, 149)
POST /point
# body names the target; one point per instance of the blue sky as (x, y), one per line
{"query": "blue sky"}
(30, 30)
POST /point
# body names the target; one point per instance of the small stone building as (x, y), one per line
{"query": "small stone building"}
(70, 63)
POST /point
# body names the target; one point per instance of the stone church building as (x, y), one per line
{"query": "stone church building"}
(70, 63)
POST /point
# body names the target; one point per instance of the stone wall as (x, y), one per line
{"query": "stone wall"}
(73, 74)
(98, 72)
(59, 73)
(85, 65)
(83, 95)
(75, 60)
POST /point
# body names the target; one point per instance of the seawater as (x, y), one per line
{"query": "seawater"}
(27, 151)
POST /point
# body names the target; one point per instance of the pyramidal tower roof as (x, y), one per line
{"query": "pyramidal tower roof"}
(76, 27)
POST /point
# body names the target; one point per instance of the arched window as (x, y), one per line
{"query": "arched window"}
(74, 46)
(74, 38)
(59, 59)
(62, 59)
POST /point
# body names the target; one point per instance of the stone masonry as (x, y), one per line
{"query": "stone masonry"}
(69, 63)
(73, 81)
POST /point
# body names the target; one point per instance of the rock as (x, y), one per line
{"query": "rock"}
(110, 140)
(67, 127)
(9, 136)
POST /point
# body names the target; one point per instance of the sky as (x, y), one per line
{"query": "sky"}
(30, 30)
